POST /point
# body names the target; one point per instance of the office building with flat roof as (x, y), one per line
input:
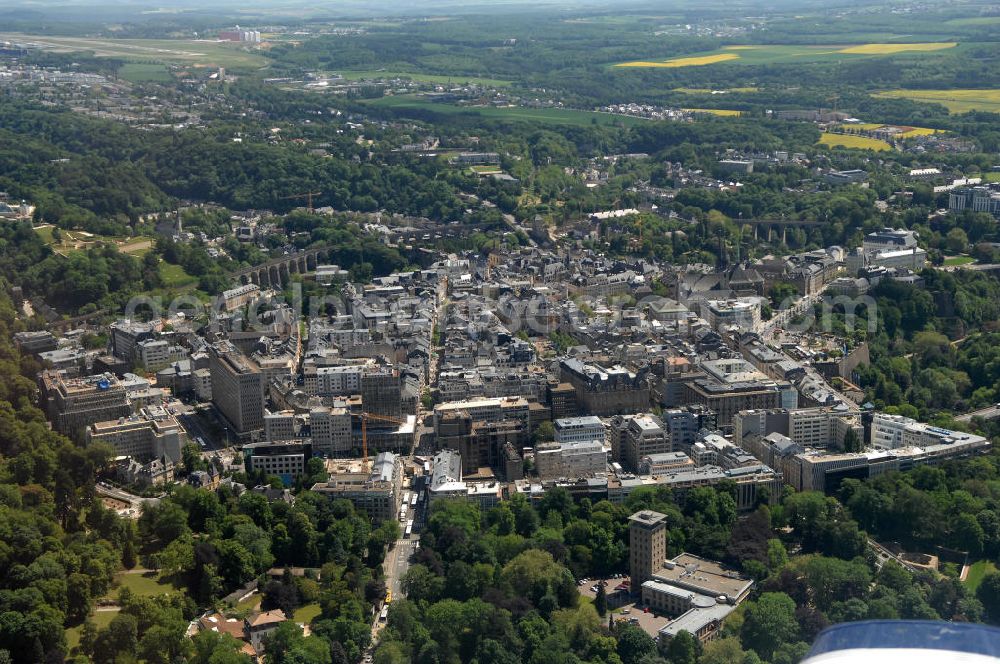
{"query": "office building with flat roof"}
(238, 388)
(75, 403)
(152, 433)
(579, 429)
(698, 593)
(285, 458)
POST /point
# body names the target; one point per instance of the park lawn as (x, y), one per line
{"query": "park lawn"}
(851, 141)
(427, 78)
(306, 614)
(956, 101)
(174, 276)
(137, 72)
(976, 573)
(101, 618)
(45, 233)
(959, 260)
(991, 177)
(564, 116)
(251, 603)
(141, 584)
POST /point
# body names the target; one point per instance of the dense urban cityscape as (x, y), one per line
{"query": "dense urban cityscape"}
(334, 340)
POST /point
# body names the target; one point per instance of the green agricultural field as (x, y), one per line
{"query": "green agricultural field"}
(956, 101)
(426, 78)
(179, 51)
(853, 141)
(137, 72)
(708, 91)
(543, 115)
(782, 53)
(974, 21)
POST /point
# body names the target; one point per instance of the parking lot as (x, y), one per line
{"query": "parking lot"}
(625, 607)
(615, 596)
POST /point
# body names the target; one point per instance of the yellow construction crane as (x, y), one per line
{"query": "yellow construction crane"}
(364, 433)
(308, 196)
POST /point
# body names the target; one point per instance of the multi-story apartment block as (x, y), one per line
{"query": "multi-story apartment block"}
(644, 435)
(571, 459)
(376, 491)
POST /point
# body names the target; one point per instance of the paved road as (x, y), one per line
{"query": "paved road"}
(190, 419)
(988, 413)
(514, 226)
(397, 562)
(135, 502)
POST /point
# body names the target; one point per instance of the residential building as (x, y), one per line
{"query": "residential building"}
(570, 460)
(644, 435)
(742, 312)
(239, 297)
(376, 490)
(260, 626)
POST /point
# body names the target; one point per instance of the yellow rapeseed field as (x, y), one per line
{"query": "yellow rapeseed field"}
(724, 112)
(852, 141)
(683, 62)
(889, 49)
